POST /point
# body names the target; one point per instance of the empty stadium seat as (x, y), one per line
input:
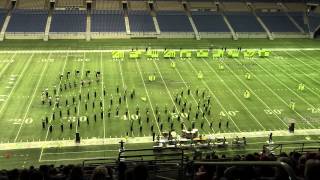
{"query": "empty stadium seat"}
(173, 21)
(298, 17)
(314, 21)
(68, 21)
(28, 21)
(244, 22)
(141, 21)
(107, 21)
(3, 14)
(209, 22)
(277, 22)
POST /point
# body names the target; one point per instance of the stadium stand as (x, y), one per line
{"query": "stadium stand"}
(107, 21)
(69, 3)
(68, 21)
(299, 18)
(296, 7)
(265, 6)
(107, 5)
(28, 21)
(168, 6)
(173, 21)
(196, 5)
(244, 22)
(314, 21)
(3, 14)
(140, 21)
(209, 21)
(137, 5)
(3, 4)
(31, 4)
(277, 22)
(235, 6)
(201, 166)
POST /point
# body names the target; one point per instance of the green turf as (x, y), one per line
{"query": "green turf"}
(274, 83)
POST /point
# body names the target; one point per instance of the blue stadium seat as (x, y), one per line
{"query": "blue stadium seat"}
(107, 21)
(173, 21)
(28, 21)
(298, 17)
(68, 21)
(314, 21)
(277, 22)
(209, 22)
(141, 21)
(244, 22)
(3, 14)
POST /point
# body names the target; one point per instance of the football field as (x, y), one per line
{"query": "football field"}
(107, 100)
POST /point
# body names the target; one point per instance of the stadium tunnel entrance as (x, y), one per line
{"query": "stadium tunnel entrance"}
(316, 34)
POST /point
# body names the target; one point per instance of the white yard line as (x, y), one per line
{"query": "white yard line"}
(184, 82)
(7, 64)
(283, 84)
(80, 89)
(168, 91)
(148, 139)
(292, 77)
(149, 99)
(102, 96)
(311, 67)
(228, 87)
(47, 133)
(217, 100)
(279, 97)
(32, 98)
(16, 84)
(245, 84)
(124, 87)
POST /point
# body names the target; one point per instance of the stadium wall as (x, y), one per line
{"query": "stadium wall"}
(18, 35)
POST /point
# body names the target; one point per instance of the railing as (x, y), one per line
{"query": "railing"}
(297, 147)
(282, 165)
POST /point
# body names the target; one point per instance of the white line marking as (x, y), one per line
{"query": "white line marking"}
(47, 133)
(30, 103)
(184, 82)
(217, 100)
(102, 96)
(226, 85)
(280, 98)
(7, 65)
(80, 90)
(15, 86)
(149, 99)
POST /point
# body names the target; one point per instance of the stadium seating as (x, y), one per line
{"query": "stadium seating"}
(107, 21)
(202, 166)
(141, 21)
(299, 18)
(195, 5)
(31, 4)
(28, 21)
(173, 21)
(277, 22)
(235, 6)
(68, 21)
(244, 22)
(314, 21)
(3, 4)
(169, 6)
(107, 5)
(137, 5)
(69, 3)
(209, 21)
(3, 14)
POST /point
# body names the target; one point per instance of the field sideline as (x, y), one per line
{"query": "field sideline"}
(274, 84)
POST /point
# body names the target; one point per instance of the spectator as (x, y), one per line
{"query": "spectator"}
(312, 169)
(100, 173)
